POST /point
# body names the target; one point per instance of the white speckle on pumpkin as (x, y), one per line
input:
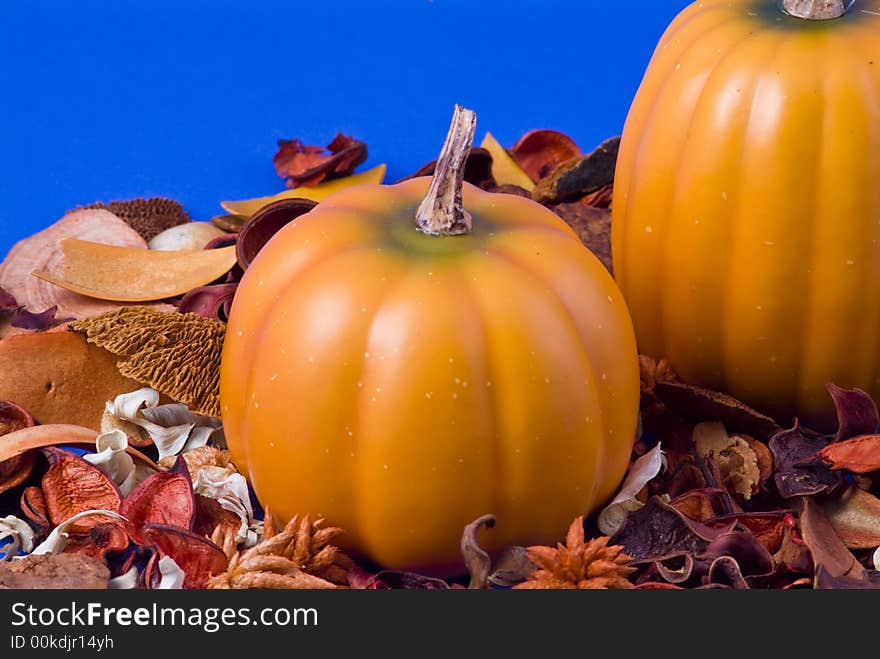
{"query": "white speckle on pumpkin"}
(649, 229)
(428, 395)
(273, 377)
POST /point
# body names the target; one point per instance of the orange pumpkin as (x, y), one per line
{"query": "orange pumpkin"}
(401, 384)
(746, 222)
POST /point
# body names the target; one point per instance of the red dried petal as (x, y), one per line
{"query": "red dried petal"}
(539, 152)
(209, 301)
(210, 514)
(33, 506)
(264, 224)
(198, 557)
(72, 485)
(101, 539)
(304, 165)
(163, 498)
(860, 455)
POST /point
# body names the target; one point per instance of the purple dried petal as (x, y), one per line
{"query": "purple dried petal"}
(725, 571)
(209, 301)
(751, 556)
(798, 473)
(7, 302)
(856, 412)
(25, 319)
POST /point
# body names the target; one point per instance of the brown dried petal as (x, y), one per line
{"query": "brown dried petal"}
(101, 539)
(71, 485)
(393, 579)
(212, 301)
(539, 152)
(856, 412)
(477, 169)
(33, 506)
(825, 545)
(264, 224)
(304, 165)
(860, 455)
(512, 567)
(575, 178)
(794, 477)
(176, 354)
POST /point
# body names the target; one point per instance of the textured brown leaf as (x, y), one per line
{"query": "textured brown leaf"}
(593, 227)
(573, 179)
(54, 571)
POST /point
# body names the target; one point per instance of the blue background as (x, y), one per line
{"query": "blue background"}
(186, 99)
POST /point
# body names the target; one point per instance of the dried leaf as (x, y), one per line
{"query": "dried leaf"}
(826, 581)
(593, 227)
(791, 449)
(855, 516)
(860, 455)
(825, 545)
(163, 498)
(71, 485)
(148, 217)
(265, 223)
(397, 580)
(698, 404)
(539, 152)
(504, 168)
(43, 251)
(512, 567)
(188, 236)
(176, 354)
(576, 177)
(305, 165)
(613, 516)
(33, 506)
(14, 472)
(199, 558)
(856, 412)
(58, 377)
(230, 489)
(478, 563)
(213, 301)
(130, 274)
(319, 192)
(751, 557)
(102, 539)
(112, 458)
(229, 223)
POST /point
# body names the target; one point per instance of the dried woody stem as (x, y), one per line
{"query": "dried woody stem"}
(815, 10)
(441, 212)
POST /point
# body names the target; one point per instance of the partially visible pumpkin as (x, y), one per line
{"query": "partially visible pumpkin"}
(746, 219)
(401, 384)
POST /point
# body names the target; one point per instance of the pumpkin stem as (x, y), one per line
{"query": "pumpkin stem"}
(815, 10)
(441, 212)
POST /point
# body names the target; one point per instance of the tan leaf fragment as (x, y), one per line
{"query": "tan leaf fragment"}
(735, 458)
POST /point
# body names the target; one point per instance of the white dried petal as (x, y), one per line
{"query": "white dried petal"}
(56, 541)
(877, 559)
(125, 581)
(172, 574)
(21, 534)
(613, 517)
(113, 460)
(230, 489)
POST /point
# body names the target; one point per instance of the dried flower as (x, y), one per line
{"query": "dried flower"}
(176, 354)
(112, 458)
(578, 564)
(301, 556)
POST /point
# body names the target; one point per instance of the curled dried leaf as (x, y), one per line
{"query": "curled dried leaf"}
(82, 522)
(647, 467)
(856, 412)
(539, 152)
(16, 537)
(131, 274)
(305, 165)
(264, 224)
(478, 563)
(797, 473)
(112, 458)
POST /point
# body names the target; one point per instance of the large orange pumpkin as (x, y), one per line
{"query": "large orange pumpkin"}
(401, 384)
(746, 224)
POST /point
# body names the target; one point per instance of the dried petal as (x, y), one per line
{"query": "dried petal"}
(248, 207)
(791, 448)
(539, 152)
(860, 455)
(131, 274)
(855, 516)
(176, 354)
(72, 486)
(856, 412)
(477, 169)
(397, 580)
(164, 498)
(825, 545)
(199, 558)
(229, 223)
(736, 461)
(172, 576)
(309, 165)
(16, 537)
(125, 581)
(57, 540)
(475, 557)
(512, 567)
(113, 459)
(613, 516)
(230, 489)
(576, 177)
(265, 223)
(212, 301)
